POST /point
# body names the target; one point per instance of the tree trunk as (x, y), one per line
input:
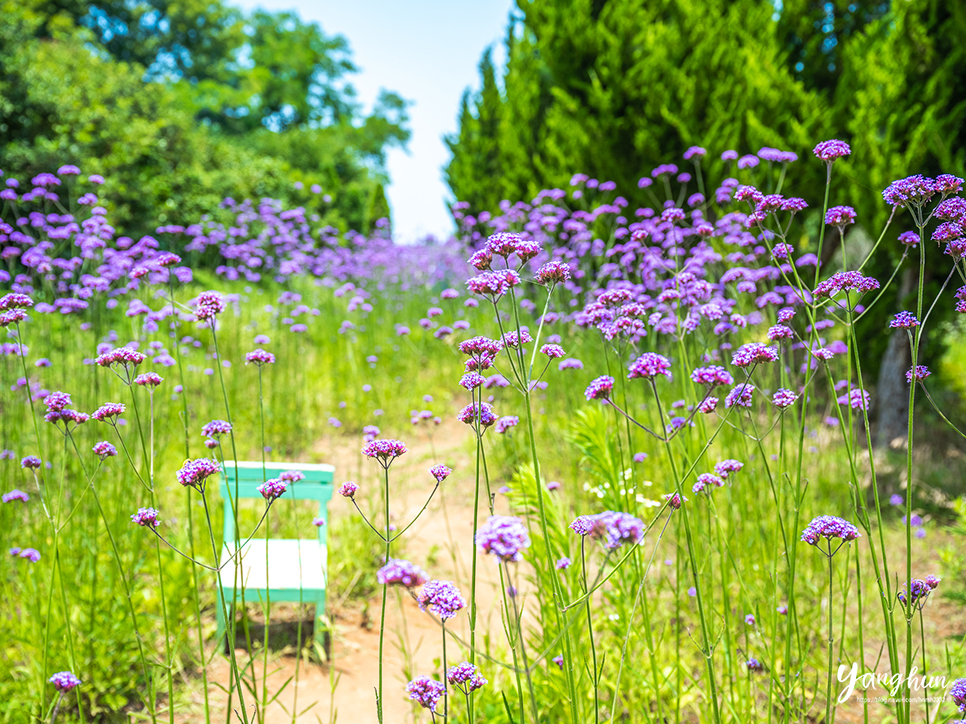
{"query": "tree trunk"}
(892, 392)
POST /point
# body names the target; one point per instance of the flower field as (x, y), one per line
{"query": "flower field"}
(644, 426)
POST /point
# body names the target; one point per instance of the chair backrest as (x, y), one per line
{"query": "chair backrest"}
(317, 485)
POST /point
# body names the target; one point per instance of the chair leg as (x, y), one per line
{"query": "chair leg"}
(220, 617)
(320, 629)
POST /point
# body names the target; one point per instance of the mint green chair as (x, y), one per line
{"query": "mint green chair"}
(296, 569)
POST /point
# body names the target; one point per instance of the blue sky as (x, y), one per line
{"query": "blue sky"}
(427, 51)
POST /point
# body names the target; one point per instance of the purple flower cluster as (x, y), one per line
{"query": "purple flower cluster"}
(600, 388)
(104, 450)
(848, 281)
(398, 572)
(754, 353)
(426, 692)
(384, 451)
(831, 150)
(650, 365)
(504, 537)
(272, 489)
(829, 527)
(64, 681)
(612, 527)
(259, 357)
(466, 677)
(441, 598)
(15, 495)
(440, 472)
(147, 517)
(477, 413)
(196, 472)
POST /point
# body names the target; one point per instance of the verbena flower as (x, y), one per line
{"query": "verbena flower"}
(29, 554)
(706, 481)
(553, 272)
(148, 379)
(856, 399)
(840, 216)
(562, 563)
(957, 692)
(504, 537)
(272, 489)
(506, 423)
(196, 472)
(15, 495)
(64, 681)
(829, 527)
(600, 388)
(650, 365)
(348, 489)
(441, 598)
(910, 191)
(831, 150)
(466, 677)
(753, 664)
(674, 500)
(318, 522)
(914, 593)
(783, 398)
(384, 451)
(753, 353)
(740, 396)
(259, 357)
(31, 462)
(104, 450)
(208, 305)
(904, 320)
(398, 572)
(849, 281)
(15, 300)
(216, 428)
(553, 351)
(426, 692)
(122, 356)
(477, 412)
(109, 412)
(909, 238)
(147, 517)
(920, 372)
(712, 376)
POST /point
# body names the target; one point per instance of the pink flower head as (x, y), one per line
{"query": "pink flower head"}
(348, 489)
(149, 380)
(209, 305)
(600, 388)
(108, 412)
(783, 398)
(920, 372)
(740, 396)
(478, 412)
(15, 301)
(440, 472)
(122, 356)
(259, 357)
(272, 489)
(553, 272)
(849, 281)
(840, 216)
(712, 376)
(754, 353)
(194, 473)
(105, 450)
(553, 351)
(829, 527)
(831, 150)
(650, 365)
(384, 451)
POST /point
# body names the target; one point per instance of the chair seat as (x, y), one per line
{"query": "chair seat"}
(292, 564)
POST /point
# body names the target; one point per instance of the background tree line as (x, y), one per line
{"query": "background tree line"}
(612, 88)
(184, 102)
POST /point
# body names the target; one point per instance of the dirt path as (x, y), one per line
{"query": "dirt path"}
(356, 630)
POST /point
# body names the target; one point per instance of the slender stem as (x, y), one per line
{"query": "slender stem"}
(382, 615)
